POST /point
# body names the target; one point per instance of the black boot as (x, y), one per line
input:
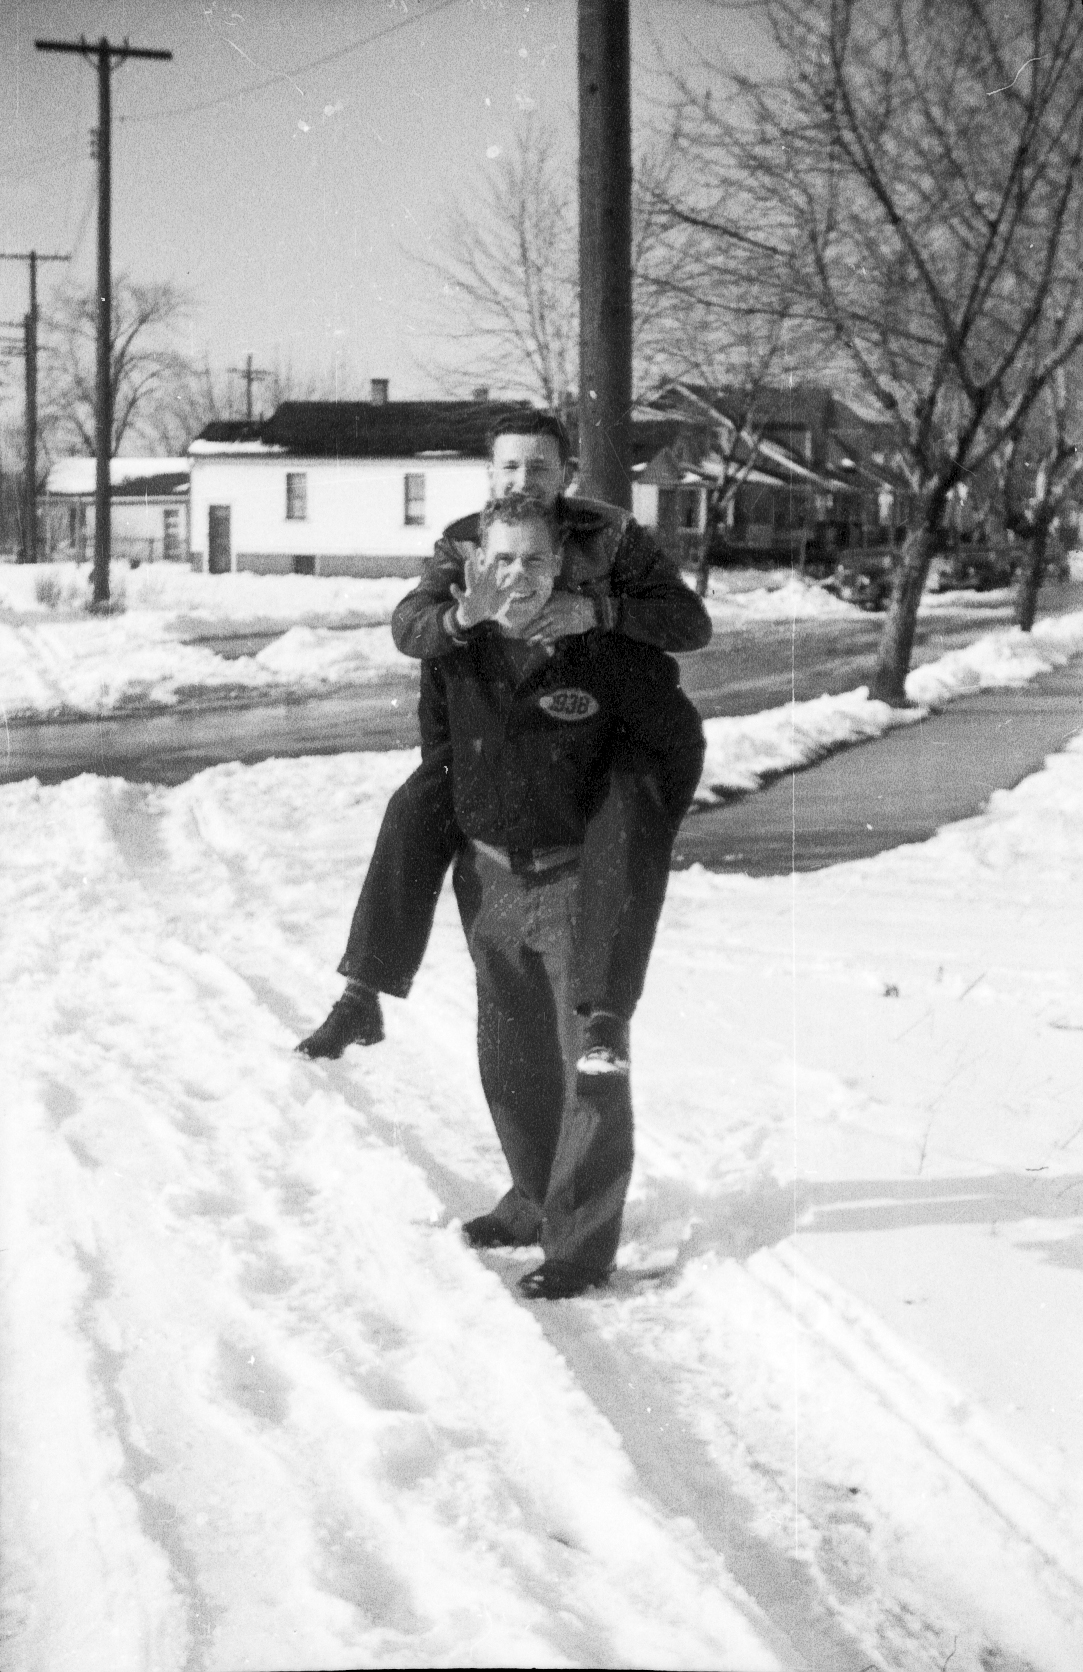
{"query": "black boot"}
(487, 1231)
(557, 1280)
(356, 1019)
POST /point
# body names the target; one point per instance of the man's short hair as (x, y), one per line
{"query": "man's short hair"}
(517, 508)
(531, 423)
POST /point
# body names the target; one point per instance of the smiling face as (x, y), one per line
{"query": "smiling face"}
(526, 464)
(525, 554)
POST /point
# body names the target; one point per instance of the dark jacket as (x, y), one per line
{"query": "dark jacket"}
(531, 755)
(637, 589)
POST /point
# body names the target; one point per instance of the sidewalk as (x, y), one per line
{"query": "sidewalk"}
(897, 788)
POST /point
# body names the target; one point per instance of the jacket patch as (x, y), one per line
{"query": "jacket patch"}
(569, 704)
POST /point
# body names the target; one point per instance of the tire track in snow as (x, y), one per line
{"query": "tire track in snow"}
(157, 1518)
(138, 841)
(771, 1580)
(672, 1463)
(672, 1460)
(882, 1555)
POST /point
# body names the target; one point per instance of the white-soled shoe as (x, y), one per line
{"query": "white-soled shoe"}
(605, 1045)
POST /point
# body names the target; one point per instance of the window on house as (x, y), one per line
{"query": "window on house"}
(414, 499)
(171, 542)
(296, 496)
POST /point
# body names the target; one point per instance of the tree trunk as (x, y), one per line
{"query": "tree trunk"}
(897, 640)
(1031, 572)
(712, 523)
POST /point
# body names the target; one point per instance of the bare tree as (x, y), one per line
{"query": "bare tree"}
(723, 334)
(509, 275)
(915, 170)
(1040, 469)
(150, 375)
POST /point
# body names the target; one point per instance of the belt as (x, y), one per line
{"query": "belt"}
(542, 859)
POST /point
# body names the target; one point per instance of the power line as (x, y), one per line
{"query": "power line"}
(56, 155)
(297, 69)
(84, 222)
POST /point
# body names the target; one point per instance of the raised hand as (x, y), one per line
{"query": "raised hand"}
(487, 590)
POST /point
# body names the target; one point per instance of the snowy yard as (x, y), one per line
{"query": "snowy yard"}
(263, 1408)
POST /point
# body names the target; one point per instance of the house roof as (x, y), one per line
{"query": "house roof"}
(128, 478)
(366, 430)
(851, 444)
(232, 429)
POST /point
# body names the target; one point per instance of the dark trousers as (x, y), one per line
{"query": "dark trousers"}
(392, 921)
(624, 868)
(567, 1138)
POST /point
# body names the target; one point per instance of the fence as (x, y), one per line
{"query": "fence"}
(133, 549)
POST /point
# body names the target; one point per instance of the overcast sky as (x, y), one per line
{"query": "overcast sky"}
(282, 192)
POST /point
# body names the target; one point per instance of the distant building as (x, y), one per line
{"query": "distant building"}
(814, 475)
(148, 509)
(338, 487)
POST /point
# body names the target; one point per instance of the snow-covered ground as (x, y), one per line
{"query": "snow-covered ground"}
(263, 1408)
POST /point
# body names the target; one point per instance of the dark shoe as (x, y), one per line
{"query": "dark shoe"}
(556, 1280)
(487, 1231)
(356, 1019)
(605, 1045)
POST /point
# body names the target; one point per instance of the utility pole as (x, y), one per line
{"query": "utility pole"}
(30, 355)
(105, 54)
(251, 375)
(605, 251)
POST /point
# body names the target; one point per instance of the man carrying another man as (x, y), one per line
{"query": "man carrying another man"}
(533, 732)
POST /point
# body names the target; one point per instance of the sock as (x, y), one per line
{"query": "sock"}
(357, 991)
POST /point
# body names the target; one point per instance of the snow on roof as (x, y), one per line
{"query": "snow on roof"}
(204, 447)
(77, 475)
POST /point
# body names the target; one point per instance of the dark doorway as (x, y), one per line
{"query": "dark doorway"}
(218, 552)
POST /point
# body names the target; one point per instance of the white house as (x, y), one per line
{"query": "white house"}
(337, 487)
(148, 509)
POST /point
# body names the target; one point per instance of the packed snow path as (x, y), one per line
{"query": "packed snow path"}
(263, 1409)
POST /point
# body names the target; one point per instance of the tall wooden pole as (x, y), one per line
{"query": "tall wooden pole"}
(103, 436)
(252, 375)
(29, 553)
(103, 431)
(605, 251)
(30, 521)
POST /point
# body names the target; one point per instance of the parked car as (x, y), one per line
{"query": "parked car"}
(864, 578)
(973, 568)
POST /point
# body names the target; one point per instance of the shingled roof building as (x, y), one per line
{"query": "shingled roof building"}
(148, 509)
(337, 487)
